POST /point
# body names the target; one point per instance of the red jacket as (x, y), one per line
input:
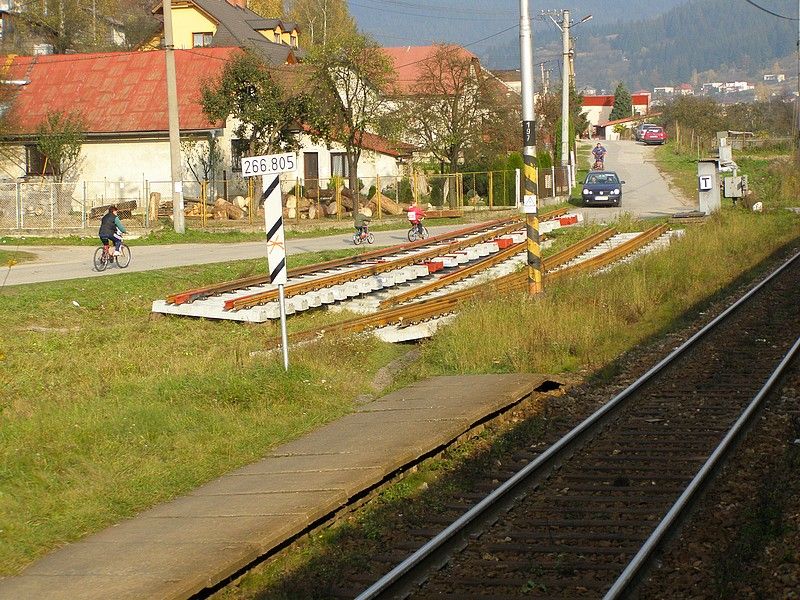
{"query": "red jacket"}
(415, 214)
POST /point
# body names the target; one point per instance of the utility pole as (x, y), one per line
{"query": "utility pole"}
(174, 127)
(531, 176)
(565, 89)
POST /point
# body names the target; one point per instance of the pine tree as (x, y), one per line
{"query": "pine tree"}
(622, 103)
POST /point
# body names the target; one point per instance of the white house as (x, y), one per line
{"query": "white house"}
(121, 100)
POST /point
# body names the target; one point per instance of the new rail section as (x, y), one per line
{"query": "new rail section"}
(586, 517)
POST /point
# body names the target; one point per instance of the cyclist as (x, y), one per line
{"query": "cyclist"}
(599, 153)
(111, 229)
(361, 223)
(415, 215)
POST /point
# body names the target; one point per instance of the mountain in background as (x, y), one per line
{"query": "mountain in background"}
(489, 29)
(695, 41)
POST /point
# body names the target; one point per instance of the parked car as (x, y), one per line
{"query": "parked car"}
(654, 135)
(602, 187)
(640, 129)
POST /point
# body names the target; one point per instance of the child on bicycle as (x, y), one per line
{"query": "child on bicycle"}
(111, 229)
(415, 215)
(361, 223)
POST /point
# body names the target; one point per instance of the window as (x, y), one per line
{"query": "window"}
(239, 148)
(277, 37)
(201, 40)
(36, 163)
(294, 41)
(339, 164)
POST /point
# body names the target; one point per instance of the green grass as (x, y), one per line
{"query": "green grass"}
(105, 411)
(9, 257)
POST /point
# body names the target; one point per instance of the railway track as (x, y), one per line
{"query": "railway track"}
(434, 300)
(584, 518)
(255, 298)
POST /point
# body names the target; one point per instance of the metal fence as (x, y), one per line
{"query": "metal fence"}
(53, 206)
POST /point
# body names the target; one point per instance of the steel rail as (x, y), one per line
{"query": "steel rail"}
(371, 269)
(625, 583)
(401, 574)
(409, 314)
(548, 264)
(189, 296)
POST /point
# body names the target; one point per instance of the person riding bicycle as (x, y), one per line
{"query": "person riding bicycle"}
(415, 215)
(361, 223)
(110, 230)
(599, 153)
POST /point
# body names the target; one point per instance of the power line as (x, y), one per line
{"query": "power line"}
(447, 10)
(766, 10)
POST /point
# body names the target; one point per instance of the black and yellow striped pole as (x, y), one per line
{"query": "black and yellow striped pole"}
(530, 174)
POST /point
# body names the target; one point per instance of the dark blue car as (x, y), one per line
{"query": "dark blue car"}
(602, 187)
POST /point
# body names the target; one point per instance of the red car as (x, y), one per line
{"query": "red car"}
(654, 135)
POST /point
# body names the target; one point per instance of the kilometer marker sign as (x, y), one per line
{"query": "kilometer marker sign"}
(270, 168)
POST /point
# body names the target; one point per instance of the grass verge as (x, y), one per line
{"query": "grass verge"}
(104, 412)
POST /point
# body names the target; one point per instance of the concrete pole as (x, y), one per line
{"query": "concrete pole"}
(565, 90)
(797, 98)
(531, 176)
(174, 128)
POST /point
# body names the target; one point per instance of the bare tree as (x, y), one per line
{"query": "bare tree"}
(454, 105)
(350, 74)
(322, 20)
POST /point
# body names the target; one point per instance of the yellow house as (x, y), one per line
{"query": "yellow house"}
(224, 23)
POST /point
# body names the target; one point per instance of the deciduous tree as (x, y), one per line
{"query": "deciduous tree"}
(59, 138)
(350, 74)
(455, 105)
(267, 112)
(322, 21)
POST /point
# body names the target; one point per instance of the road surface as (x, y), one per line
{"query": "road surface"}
(645, 193)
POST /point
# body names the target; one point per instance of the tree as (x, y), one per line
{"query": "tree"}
(267, 113)
(622, 103)
(59, 138)
(269, 9)
(455, 106)
(349, 75)
(322, 21)
(202, 157)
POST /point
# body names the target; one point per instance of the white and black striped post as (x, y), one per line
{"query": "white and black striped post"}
(276, 248)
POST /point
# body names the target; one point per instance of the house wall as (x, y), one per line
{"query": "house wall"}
(597, 114)
(187, 21)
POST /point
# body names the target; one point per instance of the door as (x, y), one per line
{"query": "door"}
(311, 170)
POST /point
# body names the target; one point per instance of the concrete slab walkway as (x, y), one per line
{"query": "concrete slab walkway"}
(182, 547)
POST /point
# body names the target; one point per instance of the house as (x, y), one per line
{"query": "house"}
(686, 89)
(225, 23)
(774, 78)
(597, 109)
(121, 99)
(609, 130)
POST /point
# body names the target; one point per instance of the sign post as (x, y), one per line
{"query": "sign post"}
(270, 168)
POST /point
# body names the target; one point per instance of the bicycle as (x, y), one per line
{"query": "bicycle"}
(104, 257)
(418, 230)
(364, 236)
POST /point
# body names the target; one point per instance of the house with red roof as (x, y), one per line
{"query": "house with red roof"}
(121, 98)
(598, 108)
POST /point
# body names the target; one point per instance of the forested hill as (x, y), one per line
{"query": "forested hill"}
(705, 35)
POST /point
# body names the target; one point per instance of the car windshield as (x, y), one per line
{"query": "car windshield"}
(602, 178)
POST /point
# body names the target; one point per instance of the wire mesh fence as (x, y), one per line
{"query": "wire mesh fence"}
(54, 206)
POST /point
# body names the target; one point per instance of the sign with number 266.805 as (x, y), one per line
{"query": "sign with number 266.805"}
(269, 164)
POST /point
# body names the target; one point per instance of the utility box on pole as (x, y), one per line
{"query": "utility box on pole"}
(708, 186)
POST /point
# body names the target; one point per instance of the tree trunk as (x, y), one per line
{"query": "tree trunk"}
(352, 165)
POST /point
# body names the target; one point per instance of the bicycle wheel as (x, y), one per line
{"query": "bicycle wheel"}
(412, 234)
(100, 261)
(124, 257)
(356, 239)
(370, 238)
(424, 233)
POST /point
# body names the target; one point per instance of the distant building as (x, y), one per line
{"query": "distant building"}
(686, 89)
(774, 78)
(598, 108)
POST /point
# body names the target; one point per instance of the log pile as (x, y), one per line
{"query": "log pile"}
(124, 209)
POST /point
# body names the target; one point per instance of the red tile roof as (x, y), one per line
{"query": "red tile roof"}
(608, 100)
(407, 62)
(121, 92)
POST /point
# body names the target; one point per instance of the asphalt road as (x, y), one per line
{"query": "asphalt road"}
(645, 193)
(54, 263)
